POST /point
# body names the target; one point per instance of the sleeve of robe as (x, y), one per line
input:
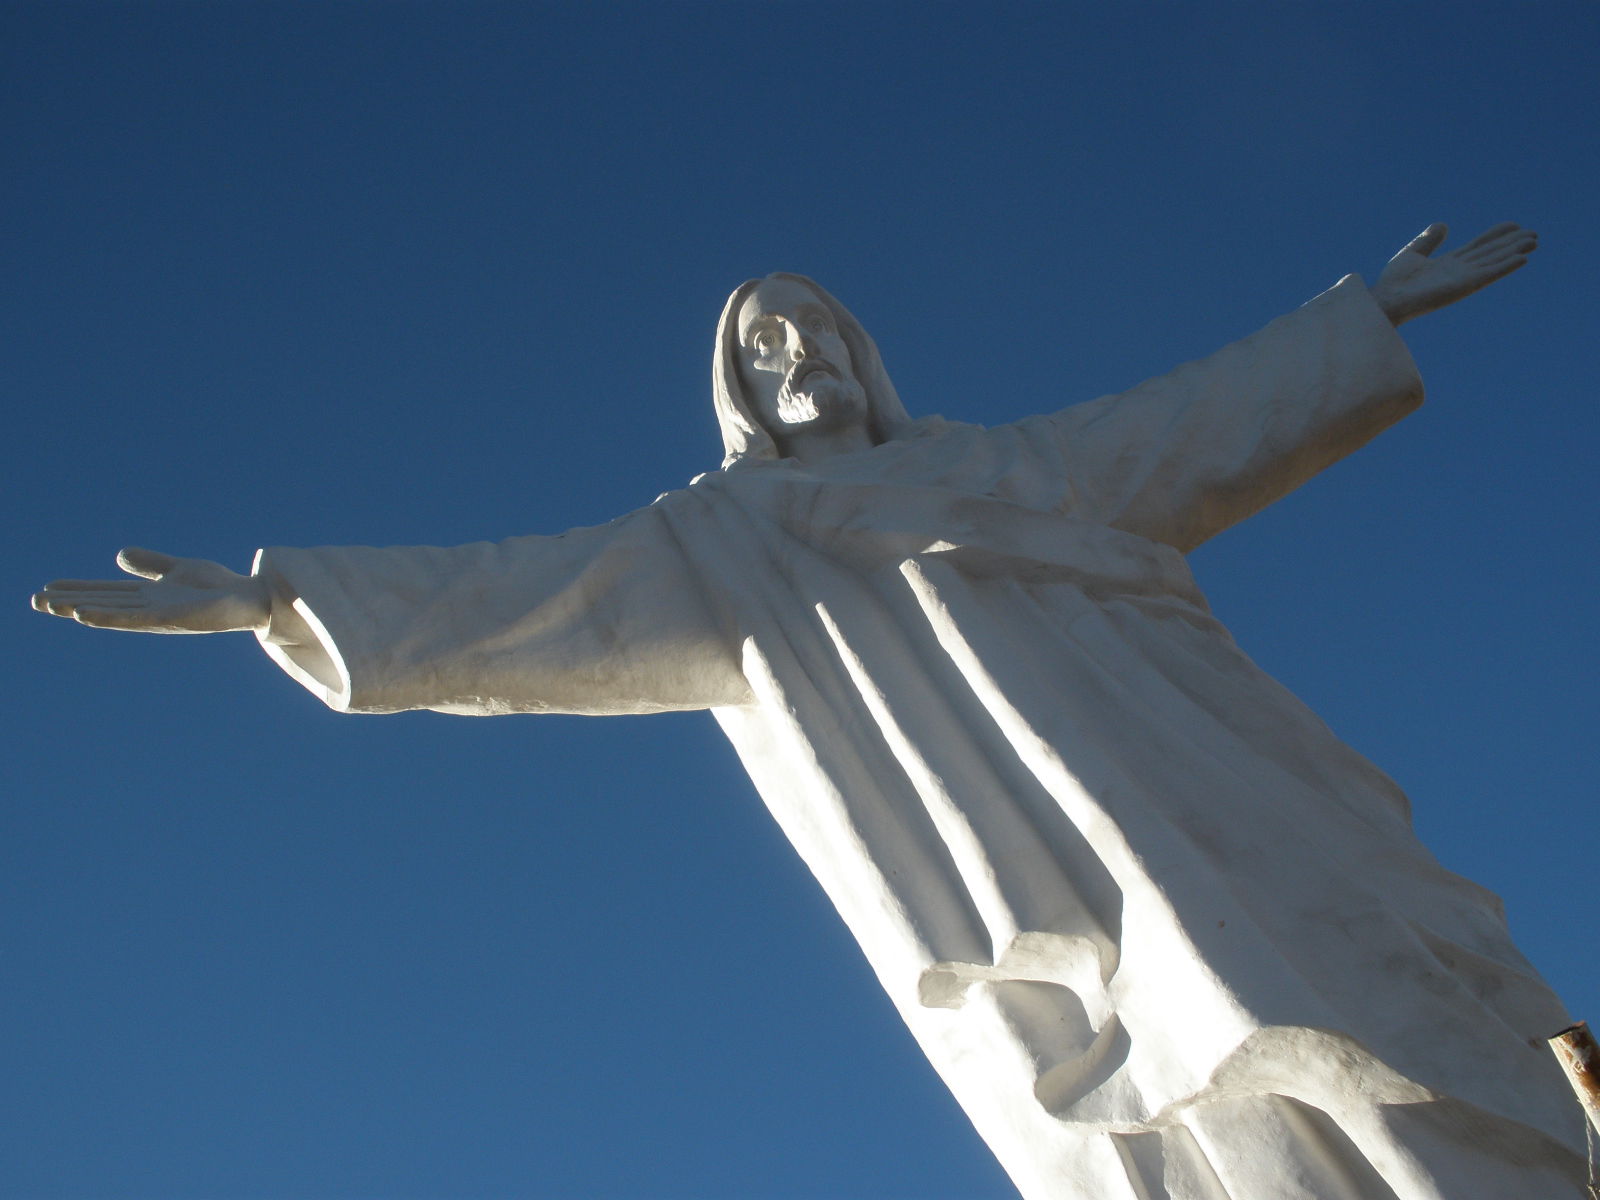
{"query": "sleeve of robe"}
(1182, 457)
(598, 621)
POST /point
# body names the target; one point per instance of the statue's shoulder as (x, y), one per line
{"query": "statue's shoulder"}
(931, 436)
(933, 426)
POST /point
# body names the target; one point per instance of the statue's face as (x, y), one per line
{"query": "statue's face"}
(794, 366)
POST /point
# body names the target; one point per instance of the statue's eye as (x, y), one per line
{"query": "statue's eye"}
(766, 341)
(818, 325)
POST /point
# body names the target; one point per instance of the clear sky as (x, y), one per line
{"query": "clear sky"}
(399, 273)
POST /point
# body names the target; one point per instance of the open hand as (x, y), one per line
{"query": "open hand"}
(173, 595)
(1413, 283)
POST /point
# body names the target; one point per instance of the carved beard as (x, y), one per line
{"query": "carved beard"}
(821, 399)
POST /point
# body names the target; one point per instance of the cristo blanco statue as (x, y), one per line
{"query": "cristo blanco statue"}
(1163, 935)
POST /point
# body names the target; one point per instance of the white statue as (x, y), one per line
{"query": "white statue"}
(1161, 932)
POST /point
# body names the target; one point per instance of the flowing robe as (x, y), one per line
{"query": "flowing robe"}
(1159, 930)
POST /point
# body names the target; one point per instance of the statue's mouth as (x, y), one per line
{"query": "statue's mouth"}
(809, 367)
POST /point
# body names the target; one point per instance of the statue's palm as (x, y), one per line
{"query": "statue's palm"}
(173, 595)
(1414, 284)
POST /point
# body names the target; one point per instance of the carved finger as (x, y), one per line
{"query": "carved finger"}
(151, 564)
(1491, 233)
(92, 585)
(111, 618)
(1485, 274)
(1500, 255)
(1496, 260)
(1500, 271)
(1496, 257)
(1523, 246)
(1521, 242)
(62, 601)
(1426, 242)
(104, 600)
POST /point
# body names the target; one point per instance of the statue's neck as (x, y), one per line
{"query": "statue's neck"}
(813, 447)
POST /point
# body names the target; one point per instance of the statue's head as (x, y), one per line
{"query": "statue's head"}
(791, 358)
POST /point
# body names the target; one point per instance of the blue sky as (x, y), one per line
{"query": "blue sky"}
(400, 273)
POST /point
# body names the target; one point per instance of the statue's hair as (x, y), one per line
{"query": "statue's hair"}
(744, 438)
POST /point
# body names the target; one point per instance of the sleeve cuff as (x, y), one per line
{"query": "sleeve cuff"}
(298, 642)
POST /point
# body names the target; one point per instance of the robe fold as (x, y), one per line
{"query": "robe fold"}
(1160, 931)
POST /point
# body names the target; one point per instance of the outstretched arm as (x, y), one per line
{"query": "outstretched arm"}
(1182, 457)
(173, 595)
(1414, 284)
(608, 619)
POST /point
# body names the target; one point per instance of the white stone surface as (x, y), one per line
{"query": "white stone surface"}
(1161, 933)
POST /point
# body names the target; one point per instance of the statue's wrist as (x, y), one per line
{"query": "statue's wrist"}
(1392, 305)
(255, 602)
